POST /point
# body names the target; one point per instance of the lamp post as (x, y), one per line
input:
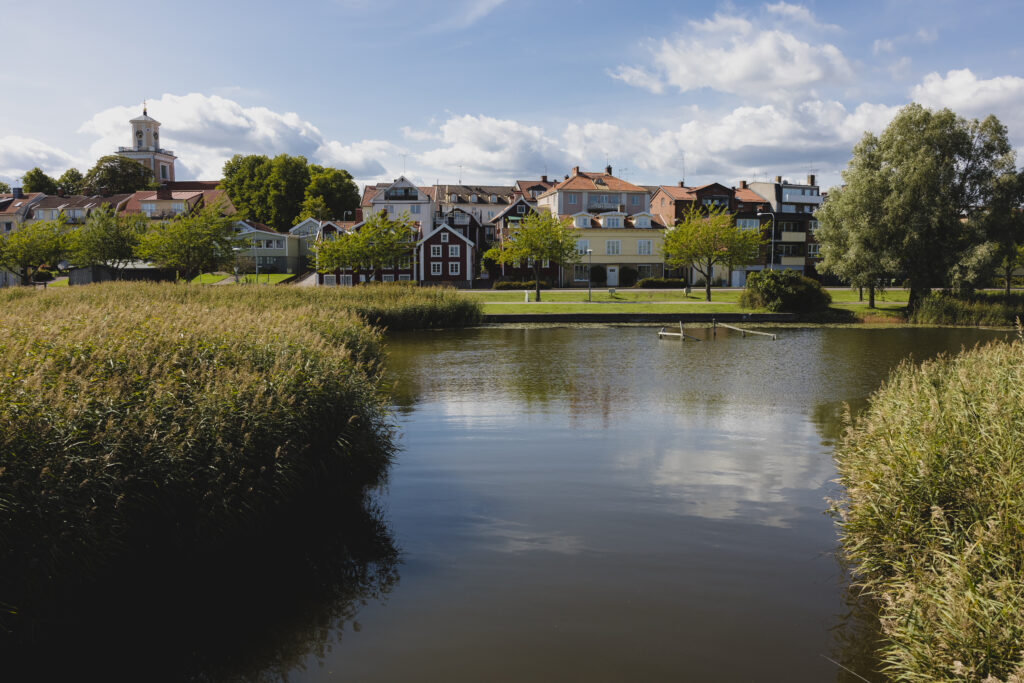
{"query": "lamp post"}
(771, 265)
(256, 260)
(316, 252)
(590, 264)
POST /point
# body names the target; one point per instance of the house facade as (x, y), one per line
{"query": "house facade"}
(269, 250)
(792, 206)
(446, 256)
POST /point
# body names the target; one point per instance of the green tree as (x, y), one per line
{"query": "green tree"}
(335, 187)
(703, 239)
(37, 181)
(71, 181)
(286, 189)
(380, 242)
(314, 207)
(245, 181)
(938, 173)
(854, 237)
(539, 237)
(107, 239)
(33, 245)
(4, 187)
(115, 174)
(191, 244)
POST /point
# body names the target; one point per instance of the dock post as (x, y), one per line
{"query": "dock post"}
(714, 328)
(682, 337)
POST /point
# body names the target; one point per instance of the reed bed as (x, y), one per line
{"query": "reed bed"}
(975, 310)
(139, 420)
(933, 516)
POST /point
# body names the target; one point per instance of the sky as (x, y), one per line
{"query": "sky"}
(491, 91)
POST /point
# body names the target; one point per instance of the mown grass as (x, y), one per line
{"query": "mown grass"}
(839, 295)
(605, 307)
(208, 278)
(140, 419)
(980, 309)
(933, 515)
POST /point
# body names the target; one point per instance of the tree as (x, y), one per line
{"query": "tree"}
(286, 188)
(245, 180)
(853, 236)
(107, 239)
(191, 244)
(314, 207)
(539, 237)
(71, 181)
(937, 173)
(33, 245)
(379, 242)
(4, 187)
(115, 174)
(335, 187)
(37, 181)
(703, 239)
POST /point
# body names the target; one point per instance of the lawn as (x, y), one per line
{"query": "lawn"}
(627, 307)
(208, 278)
(265, 278)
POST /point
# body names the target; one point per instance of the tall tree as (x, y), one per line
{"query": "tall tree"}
(314, 207)
(539, 237)
(245, 180)
(71, 181)
(336, 187)
(191, 244)
(115, 174)
(704, 238)
(380, 242)
(4, 187)
(33, 245)
(286, 190)
(37, 181)
(939, 173)
(107, 239)
(855, 240)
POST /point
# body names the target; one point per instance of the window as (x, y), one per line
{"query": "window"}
(435, 268)
(520, 209)
(453, 267)
(405, 262)
(163, 171)
(572, 198)
(494, 199)
(148, 208)
(453, 250)
(613, 222)
(473, 198)
(643, 221)
(812, 226)
(403, 278)
(613, 247)
(387, 278)
(643, 247)
(813, 249)
(748, 223)
(545, 263)
(644, 270)
(452, 198)
(444, 236)
(435, 251)
(582, 246)
(582, 221)
(791, 227)
(8, 226)
(490, 215)
(415, 208)
(330, 281)
(579, 272)
(788, 208)
(634, 199)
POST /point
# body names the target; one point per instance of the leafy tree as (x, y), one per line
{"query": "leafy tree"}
(335, 187)
(853, 236)
(33, 245)
(108, 239)
(937, 173)
(1003, 224)
(245, 180)
(4, 187)
(704, 238)
(114, 174)
(37, 181)
(71, 181)
(314, 207)
(540, 236)
(191, 244)
(286, 188)
(379, 242)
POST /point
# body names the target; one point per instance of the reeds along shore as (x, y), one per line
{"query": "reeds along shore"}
(933, 519)
(138, 419)
(979, 309)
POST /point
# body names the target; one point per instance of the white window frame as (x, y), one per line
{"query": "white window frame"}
(613, 247)
(387, 278)
(582, 221)
(435, 268)
(580, 269)
(415, 208)
(644, 247)
(404, 278)
(582, 246)
(454, 249)
(435, 251)
(454, 268)
(444, 237)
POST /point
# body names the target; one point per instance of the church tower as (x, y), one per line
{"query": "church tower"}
(146, 148)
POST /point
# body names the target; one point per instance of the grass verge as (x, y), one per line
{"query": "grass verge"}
(933, 515)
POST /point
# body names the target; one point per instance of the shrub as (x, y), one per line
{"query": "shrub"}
(932, 515)
(42, 276)
(517, 284)
(598, 275)
(661, 283)
(627, 276)
(982, 308)
(784, 291)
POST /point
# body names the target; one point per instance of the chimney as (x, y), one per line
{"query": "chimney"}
(778, 180)
(543, 178)
(681, 184)
(575, 171)
(743, 184)
(810, 178)
(608, 169)
(566, 177)
(18, 194)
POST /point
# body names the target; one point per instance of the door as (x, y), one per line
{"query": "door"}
(613, 276)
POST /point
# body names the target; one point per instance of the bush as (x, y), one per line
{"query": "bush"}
(982, 308)
(661, 283)
(932, 516)
(627, 276)
(516, 284)
(42, 276)
(598, 275)
(784, 291)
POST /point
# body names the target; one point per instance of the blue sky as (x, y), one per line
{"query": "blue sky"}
(495, 90)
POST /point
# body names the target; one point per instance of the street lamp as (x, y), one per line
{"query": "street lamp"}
(590, 263)
(771, 265)
(256, 260)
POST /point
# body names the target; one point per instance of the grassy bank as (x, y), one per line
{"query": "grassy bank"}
(933, 518)
(140, 420)
(980, 309)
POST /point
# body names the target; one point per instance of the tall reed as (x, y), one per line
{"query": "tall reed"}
(980, 309)
(933, 515)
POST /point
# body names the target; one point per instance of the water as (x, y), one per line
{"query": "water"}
(596, 504)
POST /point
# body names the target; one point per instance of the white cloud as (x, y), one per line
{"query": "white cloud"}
(464, 15)
(882, 45)
(361, 159)
(419, 135)
(967, 95)
(927, 35)
(732, 54)
(19, 154)
(799, 14)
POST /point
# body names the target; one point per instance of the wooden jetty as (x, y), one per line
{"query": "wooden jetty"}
(714, 331)
(682, 335)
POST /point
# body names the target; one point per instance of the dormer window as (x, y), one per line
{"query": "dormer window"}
(643, 222)
(453, 198)
(613, 222)
(582, 221)
(494, 199)
(473, 198)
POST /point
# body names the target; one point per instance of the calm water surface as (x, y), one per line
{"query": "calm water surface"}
(595, 504)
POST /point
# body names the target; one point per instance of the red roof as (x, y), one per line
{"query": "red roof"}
(585, 180)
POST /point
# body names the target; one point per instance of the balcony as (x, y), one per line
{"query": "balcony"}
(604, 205)
(786, 236)
(789, 260)
(794, 197)
(158, 150)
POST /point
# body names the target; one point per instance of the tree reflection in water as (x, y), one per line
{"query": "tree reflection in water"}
(272, 604)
